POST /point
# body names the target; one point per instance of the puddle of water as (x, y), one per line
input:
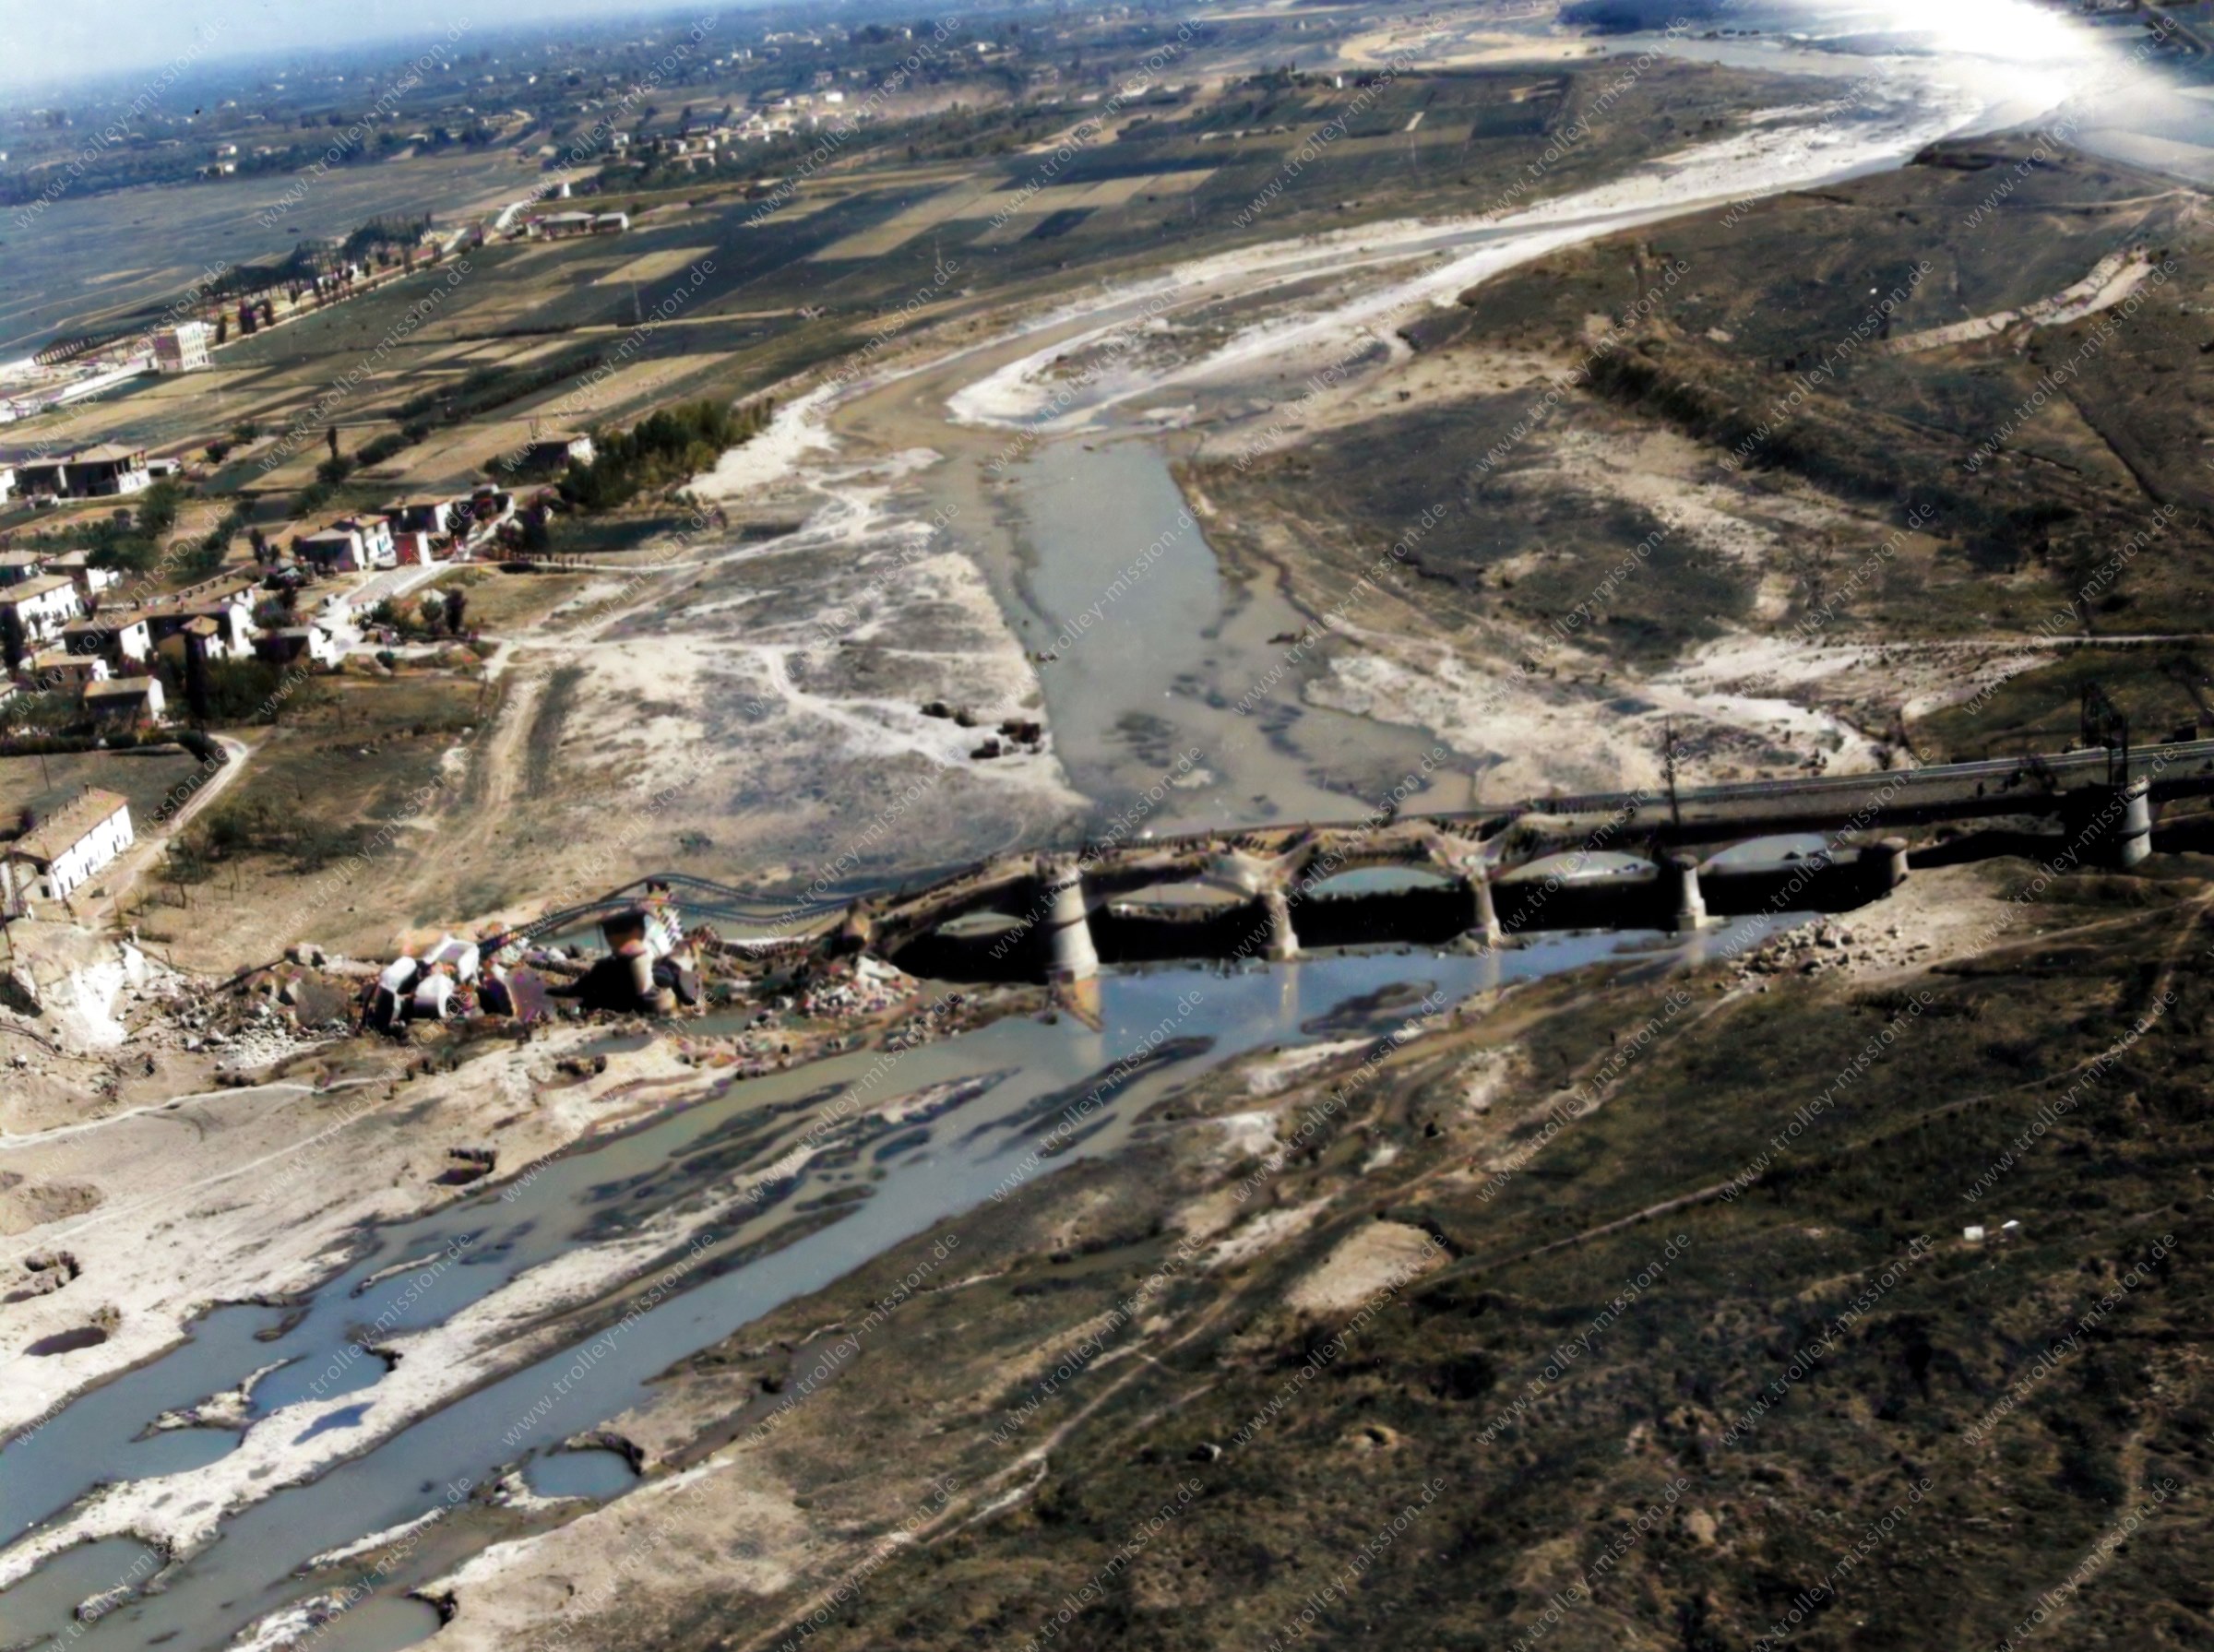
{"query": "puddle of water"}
(49, 1597)
(1773, 851)
(593, 1474)
(381, 1623)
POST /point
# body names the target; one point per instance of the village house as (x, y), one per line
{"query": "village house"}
(227, 601)
(374, 536)
(125, 702)
(199, 632)
(16, 566)
(41, 605)
(89, 581)
(426, 515)
(118, 638)
(57, 668)
(332, 550)
(412, 549)
(96, 472)
(556, 451)
(70, 847)
(316, 643)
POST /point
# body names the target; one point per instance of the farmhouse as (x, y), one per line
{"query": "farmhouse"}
(69, 848)
(117, 637)
(426, 515)
(333, 551)
(556, 451)
(315, 644)
(97, 472)
(89, 581)
(16, 566)
(41, 606)
(374, 536)
(58, 668)
(125, 702)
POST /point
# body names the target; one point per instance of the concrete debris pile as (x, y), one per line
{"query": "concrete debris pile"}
(1823, 947)
(261, 1019)
(860, 986)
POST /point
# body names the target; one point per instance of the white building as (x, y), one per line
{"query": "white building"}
(42, 605)
(58, 668)
(374, 536)
(16, 566)
(317, 644)
(182, 348)
(76, 567)
(115, 637)
(74, 845)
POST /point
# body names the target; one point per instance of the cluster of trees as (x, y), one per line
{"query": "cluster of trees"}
(132, 541)
(229, 693)
(259, 826)
(665, 447)
(440, 613)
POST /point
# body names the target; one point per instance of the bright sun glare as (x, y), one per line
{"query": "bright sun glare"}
(2014, 30)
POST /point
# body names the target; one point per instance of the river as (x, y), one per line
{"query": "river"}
(1177, 661)
(891, 1172)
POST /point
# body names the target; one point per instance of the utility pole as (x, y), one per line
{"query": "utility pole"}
(1668, 767)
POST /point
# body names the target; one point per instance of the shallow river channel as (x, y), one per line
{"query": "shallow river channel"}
(976, 1115)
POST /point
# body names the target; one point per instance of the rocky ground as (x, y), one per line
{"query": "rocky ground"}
(1616, 1318)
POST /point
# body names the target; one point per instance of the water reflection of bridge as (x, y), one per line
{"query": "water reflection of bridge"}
(1626, 861)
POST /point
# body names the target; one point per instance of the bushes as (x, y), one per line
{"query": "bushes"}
(258, 826)
(55, 744)
(379, 449)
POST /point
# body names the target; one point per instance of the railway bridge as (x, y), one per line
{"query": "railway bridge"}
(1634, 860)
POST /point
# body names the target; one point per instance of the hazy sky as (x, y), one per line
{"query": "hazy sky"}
(41, 40)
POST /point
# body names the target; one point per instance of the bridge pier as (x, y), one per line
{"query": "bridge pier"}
(1283, 940)
(1072, 956)
(1691, 906)
(2131, 843)
(1895, 852)
(1487, 909)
